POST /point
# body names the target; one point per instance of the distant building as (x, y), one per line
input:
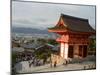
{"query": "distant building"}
(74, 36)
(17, 49)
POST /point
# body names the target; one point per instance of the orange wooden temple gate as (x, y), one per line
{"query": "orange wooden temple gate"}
(74, 36)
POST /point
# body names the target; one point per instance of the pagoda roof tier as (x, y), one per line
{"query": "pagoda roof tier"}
(70, 23)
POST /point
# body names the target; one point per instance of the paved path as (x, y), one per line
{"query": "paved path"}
(67, 67)
(47, 68)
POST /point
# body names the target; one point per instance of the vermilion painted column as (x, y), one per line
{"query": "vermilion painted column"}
(66, 51)
(62, 49)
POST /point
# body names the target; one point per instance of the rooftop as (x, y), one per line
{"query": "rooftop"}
(73, 23)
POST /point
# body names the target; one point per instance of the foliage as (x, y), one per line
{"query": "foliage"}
(52, 41)
(41, 41)
(43, 54)
(14, 55)
(92, 44)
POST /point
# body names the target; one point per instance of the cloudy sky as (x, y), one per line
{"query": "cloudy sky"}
(44, 15)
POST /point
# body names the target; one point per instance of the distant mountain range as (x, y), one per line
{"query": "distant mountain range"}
(28, 30)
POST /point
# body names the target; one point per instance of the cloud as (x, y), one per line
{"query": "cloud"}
(31, 14)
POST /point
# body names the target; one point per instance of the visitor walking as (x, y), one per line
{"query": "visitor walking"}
(55, 63)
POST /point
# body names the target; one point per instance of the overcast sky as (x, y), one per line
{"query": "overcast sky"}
(44, 15)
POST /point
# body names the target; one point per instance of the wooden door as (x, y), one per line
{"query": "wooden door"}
(80, 50)
(84, 50)
(70, 51)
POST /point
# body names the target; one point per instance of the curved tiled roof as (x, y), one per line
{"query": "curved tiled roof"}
(75, 24)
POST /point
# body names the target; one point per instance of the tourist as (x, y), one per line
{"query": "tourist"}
(55, 64)
(66, 62)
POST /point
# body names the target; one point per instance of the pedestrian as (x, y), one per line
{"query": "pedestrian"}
(66, 62)
(55, 64)
(29, 63)
(51, 65)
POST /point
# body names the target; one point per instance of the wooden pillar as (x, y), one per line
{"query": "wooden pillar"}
(76, 50)
(62, 49)
(66, 51)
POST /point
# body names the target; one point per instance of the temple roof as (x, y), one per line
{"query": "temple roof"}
(74, 24)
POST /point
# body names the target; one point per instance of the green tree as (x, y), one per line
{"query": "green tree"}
(92, 44)
(41, 41)
(52, 41)
(43, 54)
(14, 56)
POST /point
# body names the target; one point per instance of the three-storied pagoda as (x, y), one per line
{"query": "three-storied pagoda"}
(74, 39)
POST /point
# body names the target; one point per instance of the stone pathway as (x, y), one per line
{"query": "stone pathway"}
(47, 68)
(68, 67)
